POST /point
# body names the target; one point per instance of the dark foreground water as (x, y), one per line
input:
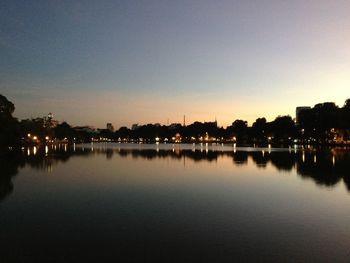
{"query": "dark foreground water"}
(174, 203)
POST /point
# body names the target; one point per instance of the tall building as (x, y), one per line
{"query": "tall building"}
(298, 110)
(110, 127)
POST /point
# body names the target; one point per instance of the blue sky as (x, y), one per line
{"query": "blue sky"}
(92, 62)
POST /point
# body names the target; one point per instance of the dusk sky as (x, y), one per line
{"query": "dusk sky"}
(93, 62)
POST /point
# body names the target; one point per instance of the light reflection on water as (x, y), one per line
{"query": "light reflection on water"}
(205, 202)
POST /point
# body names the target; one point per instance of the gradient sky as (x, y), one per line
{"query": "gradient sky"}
(93, 62)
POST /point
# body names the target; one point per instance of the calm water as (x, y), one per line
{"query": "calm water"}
(175, 203)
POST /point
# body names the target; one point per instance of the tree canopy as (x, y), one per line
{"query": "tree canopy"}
(9, 128)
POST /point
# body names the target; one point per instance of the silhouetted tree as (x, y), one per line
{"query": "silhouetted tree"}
(239, 130)
(6, 106)
(346, 115)
(283, 128)
(33, 127)
(64, 130)
(9, 128)
(257, 132)
(123, 132)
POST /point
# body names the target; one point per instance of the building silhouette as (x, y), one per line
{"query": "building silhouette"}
(110, 127)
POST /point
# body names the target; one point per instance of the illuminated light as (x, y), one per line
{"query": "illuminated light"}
(315, 159)
(303, 157)
(234, 138)
(46, 149)
(157, 139)
(28, 152)
(263, 153)
(65, 147)
(35, 138)
(47, 138)
(234, 146)
(73, 147)
(333, 160)
(28, 134)
(34, 150)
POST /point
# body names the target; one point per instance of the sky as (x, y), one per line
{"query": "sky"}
(92, 62)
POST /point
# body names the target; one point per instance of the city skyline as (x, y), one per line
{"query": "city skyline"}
(124, 63)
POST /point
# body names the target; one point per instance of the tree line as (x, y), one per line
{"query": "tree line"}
(323, 124)
(326, 122)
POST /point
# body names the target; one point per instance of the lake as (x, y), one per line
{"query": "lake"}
(175, 203)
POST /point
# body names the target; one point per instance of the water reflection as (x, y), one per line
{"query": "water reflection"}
(324, 167)
(9, 165)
